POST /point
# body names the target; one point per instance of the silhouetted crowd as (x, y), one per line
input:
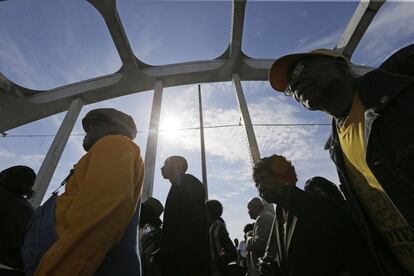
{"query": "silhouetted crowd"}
(103, 225)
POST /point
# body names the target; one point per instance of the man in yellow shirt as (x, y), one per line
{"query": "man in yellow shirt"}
(372, 145)
(96, 217)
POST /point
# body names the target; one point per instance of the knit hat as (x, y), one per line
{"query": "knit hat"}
(112, 116)
(18, 179)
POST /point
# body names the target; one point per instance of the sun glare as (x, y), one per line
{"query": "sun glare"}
(170, 126)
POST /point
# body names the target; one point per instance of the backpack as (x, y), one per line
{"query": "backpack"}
(40, 236)
(122, 259)
(41, 232)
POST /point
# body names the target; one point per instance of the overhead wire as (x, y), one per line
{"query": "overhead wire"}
(6, 135)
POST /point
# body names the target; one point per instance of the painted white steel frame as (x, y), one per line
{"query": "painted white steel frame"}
(51, 160)
(202, 144)
(152, 141)
(247, 122)
(251, 141)
(20, 105)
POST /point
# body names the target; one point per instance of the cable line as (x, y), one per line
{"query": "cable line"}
(6, 135)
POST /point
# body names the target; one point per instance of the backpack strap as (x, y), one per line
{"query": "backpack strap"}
(71, 172)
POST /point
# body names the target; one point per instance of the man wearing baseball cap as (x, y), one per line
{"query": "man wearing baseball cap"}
(371, 143)
(96, 218)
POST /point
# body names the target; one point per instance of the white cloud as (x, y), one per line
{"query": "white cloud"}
(226, 148)
(233, 179)
(238, 173)
(310, 43)
(31, 67)
(9, 159)
(391, 29)
(13, 59)
(148, 46)
(230, 143)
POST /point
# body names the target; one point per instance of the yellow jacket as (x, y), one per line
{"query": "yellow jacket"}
(99, 201)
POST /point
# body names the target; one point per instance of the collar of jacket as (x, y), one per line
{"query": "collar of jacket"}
(378, 88)
(261, 213)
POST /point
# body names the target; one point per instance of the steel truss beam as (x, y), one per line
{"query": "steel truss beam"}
(19, 105)
(152, 142)
(357, 26)
(52, 158)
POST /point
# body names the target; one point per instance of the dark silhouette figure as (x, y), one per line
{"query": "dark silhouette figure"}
(313, 234)
(236, 243)
(222, 250)
(150, 235)
(371, 142)
(241, 249)
(15, 214)
(184, 239)
(91, 228)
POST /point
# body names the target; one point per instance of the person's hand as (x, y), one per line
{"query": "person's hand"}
(267, 265)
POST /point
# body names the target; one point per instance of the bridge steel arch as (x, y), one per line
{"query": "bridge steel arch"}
(20, 105)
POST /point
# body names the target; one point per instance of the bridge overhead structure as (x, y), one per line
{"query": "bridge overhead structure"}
(20, 105)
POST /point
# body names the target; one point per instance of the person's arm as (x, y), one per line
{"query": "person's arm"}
(257, 243)
(99, 215)
(227, 244)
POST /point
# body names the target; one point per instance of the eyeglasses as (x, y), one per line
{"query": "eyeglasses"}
(293, 76)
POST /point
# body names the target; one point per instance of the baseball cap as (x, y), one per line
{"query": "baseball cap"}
(280, 68)
(112, 116)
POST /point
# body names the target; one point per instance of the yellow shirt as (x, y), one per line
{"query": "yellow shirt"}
(382, 211)
(92, 214)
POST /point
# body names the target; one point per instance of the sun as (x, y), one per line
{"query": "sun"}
(170, 126)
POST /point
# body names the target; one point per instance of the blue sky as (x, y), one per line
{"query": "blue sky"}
(46, 44)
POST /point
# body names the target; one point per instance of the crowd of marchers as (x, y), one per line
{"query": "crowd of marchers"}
(101, 224)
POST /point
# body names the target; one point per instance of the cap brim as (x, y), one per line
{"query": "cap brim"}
(278, 73)
(280, 69)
